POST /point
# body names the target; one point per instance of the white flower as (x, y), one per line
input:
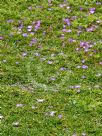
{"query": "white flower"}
(19, 105)
(52, 113)
(1, 117)
(40, 100)
(16, 124)
(34, 107)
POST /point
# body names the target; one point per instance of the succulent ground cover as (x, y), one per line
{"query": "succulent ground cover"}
(51, 68)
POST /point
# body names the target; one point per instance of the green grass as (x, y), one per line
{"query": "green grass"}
(30, 78)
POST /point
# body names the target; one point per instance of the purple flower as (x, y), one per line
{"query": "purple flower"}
(59, 116)
(84, 44)
(77, 86)
(10, 21)
(71, 40)
(84, 67)
(37, 26)
(67, 30)
(98, 3)
(34, 40)
(67, 21)
(25, 35)
(92, 10)
(90, 29)
(62, 68)
(81, 8)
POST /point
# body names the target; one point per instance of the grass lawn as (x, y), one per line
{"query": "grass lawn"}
(51, 68)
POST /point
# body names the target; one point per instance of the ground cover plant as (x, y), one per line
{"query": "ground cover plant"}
(51, 68)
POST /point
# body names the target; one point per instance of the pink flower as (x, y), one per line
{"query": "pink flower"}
(1, 38)
(100, 63)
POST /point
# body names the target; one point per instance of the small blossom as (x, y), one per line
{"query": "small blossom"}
(24, 54)
(99, 21)
(53, 78)
(37, 54)
(34, 107)
(32, 33)
(42, 59)
(77, 49)
(25, 35)
(49, 62)
(78, 67)
(83, 134)
(40, 100)
(29, 27)
(67, 21)
(72, 40)
(1, 117)
(10, 21)
(78, 91)
(83, 61)
(62, 68)
(67, 30)
(62, 5)
(81, 8)
(77, 86)
(71, 87)
(83, 77)
(100, 63)
(84, 67)
(59, 116)
(92, 10)
(34, 40)
(74, 135)
(98, 75)
(37, 26)
(19, 105)
(15, 124)
(1, 38)
(98, 3)
(30, 8)
(4, 61)
(17, 62)
(52, 113)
